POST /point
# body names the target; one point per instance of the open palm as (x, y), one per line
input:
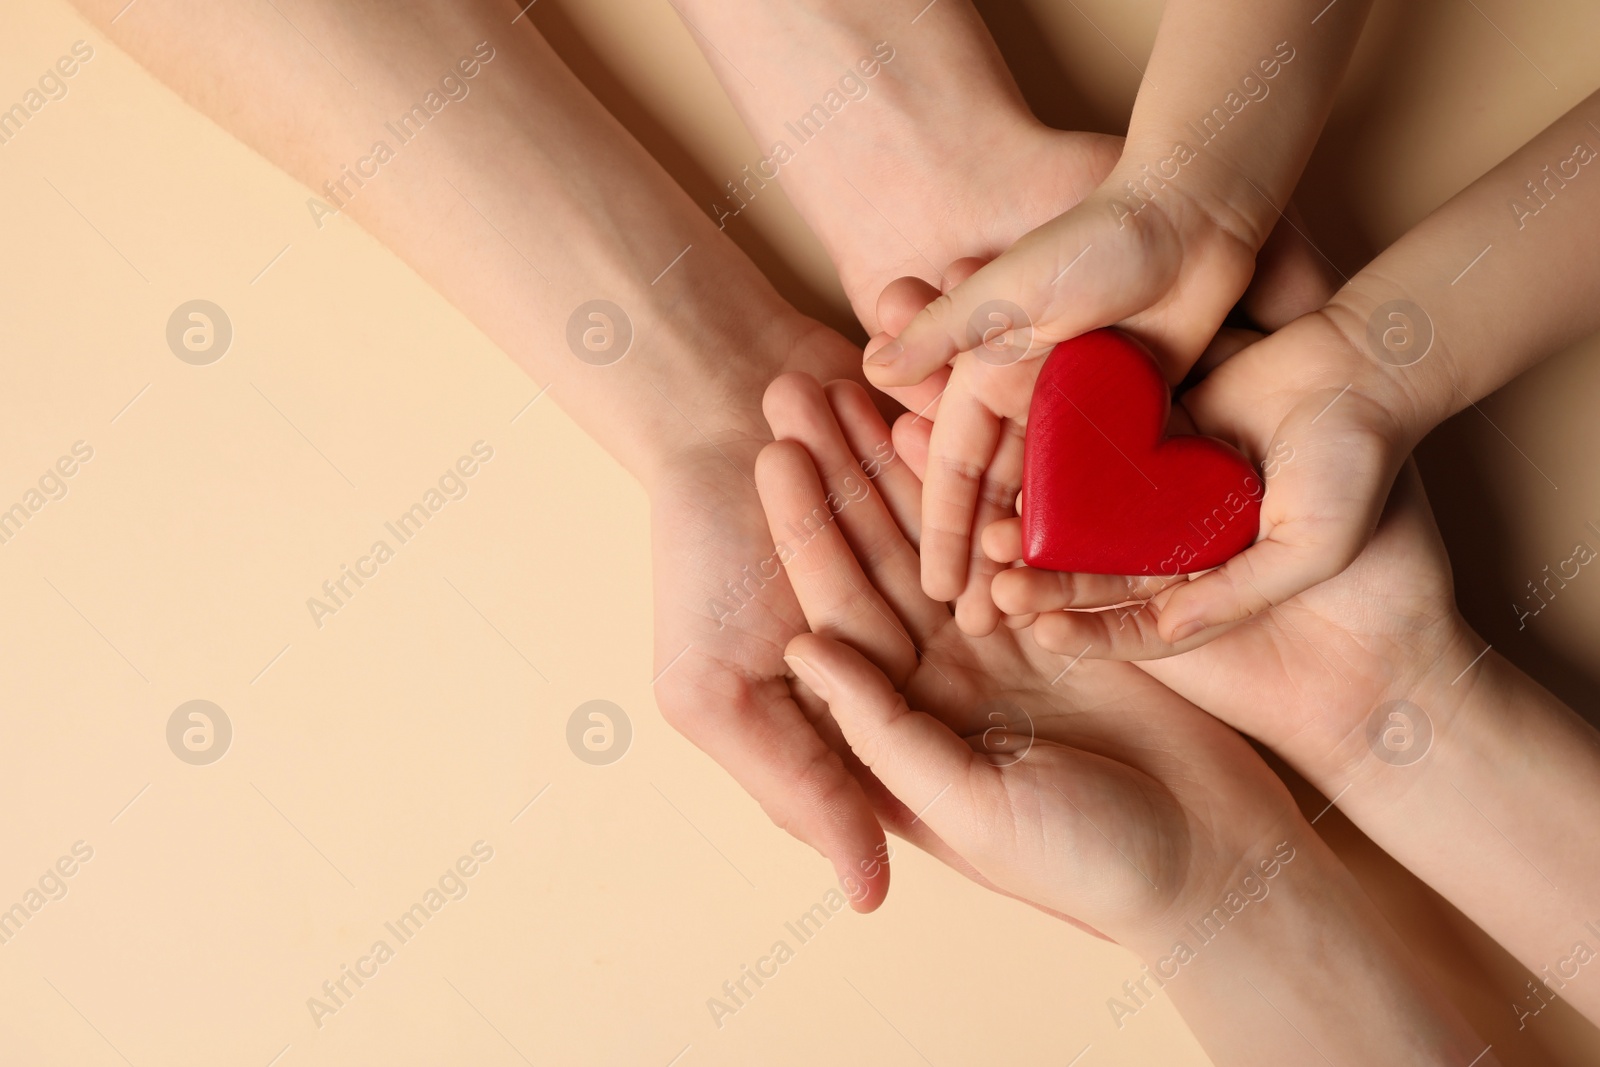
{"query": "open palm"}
(1086, 787)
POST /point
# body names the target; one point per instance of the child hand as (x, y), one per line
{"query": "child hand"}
(984, 393)
(1311, 411)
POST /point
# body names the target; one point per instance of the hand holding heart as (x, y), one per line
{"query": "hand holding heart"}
(1105, 491)
(1303, 405)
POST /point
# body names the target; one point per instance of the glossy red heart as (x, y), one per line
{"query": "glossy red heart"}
(1105, 491)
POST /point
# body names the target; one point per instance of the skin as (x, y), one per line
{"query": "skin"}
(901, 182)
(486, 209)
(1508, 772)
(1095, 793)
(1165, 246)
(1351, 387)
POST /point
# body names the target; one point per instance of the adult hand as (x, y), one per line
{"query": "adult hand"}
(1086, 789)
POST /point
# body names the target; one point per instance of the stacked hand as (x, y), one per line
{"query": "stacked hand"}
(1093, 791)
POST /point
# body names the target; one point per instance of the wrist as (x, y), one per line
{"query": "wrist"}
(713, 376)
(1394, 353)
(1300, 955)
(1427, 709)
(1202, 191)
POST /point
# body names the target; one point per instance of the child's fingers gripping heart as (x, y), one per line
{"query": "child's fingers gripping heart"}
(1069, 612)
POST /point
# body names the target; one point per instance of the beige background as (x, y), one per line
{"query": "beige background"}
(371, 753)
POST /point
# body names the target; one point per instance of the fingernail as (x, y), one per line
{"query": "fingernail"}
(807, 674)
(1187, 630)
(887, 354)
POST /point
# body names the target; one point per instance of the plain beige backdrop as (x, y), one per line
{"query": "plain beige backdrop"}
(370, 753)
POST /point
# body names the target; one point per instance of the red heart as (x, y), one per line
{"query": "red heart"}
(1105, 491)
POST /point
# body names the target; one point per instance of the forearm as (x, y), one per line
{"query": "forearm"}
(1487, 788)
(1499, 277)
(868, 120)
(1232, 102)
(519, 202)
(1295, 954)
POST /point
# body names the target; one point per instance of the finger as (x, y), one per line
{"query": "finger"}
(920, 399)
(798, 409)
(976, 612)
(1228, 343)
(833, 591)
(1332, 468)
(756, 732)
(916, 756)
(1002, 540)
(1126, 632)
(965, 437)
(899, 303)
(870, 438)
(1025, 590)
(1052, 284)
(960, 271)
(1266, 574)
(912, 436)
(902, 298)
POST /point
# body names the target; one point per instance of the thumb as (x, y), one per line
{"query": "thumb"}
(992, 312)
(1076, 273)
(918, 758)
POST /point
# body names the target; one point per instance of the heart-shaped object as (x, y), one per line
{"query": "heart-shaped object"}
(1105, 491)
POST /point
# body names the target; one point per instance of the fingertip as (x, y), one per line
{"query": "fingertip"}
(961, 270)
(943, 576)
(784, 395)
(1002, 540)
(1009, 590)
(921, 348)
(976, 614)
(874, 885)
(900, 301)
